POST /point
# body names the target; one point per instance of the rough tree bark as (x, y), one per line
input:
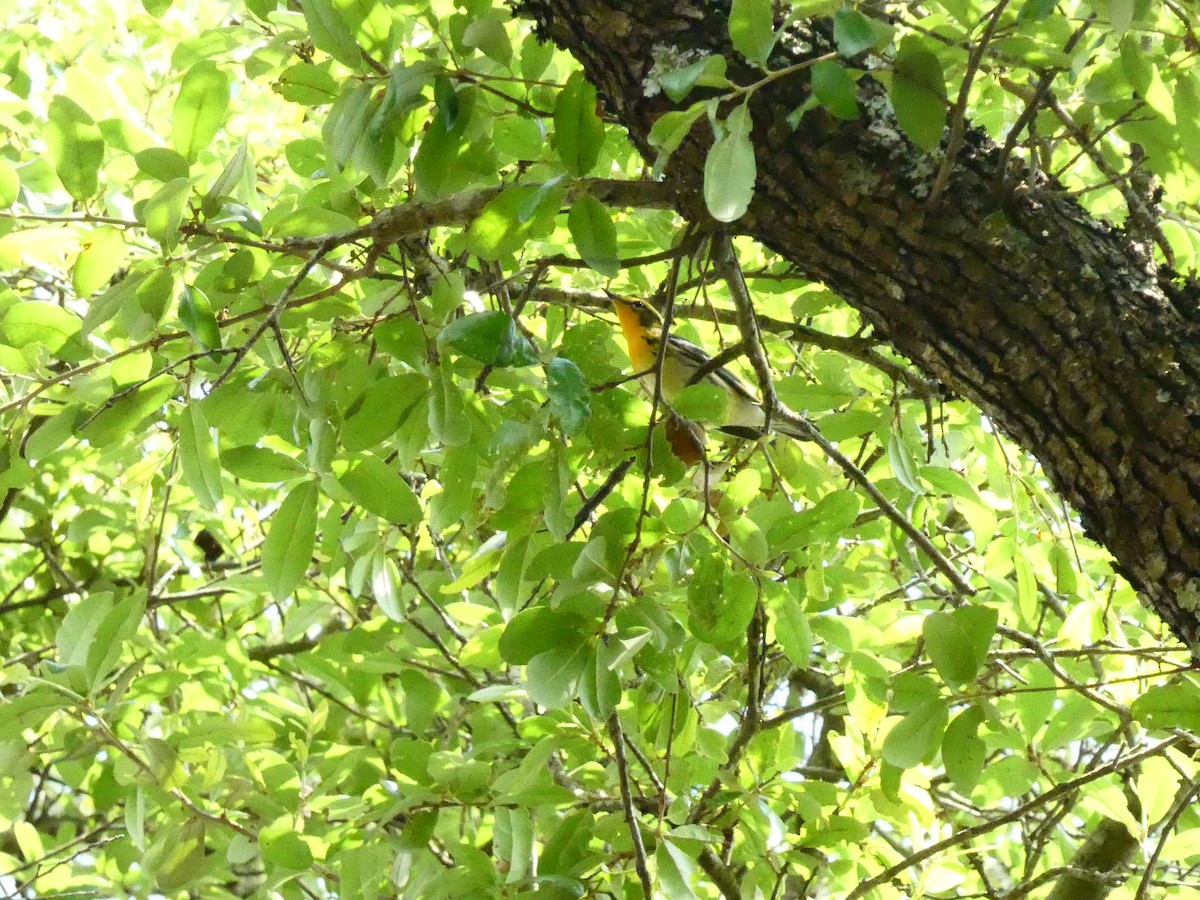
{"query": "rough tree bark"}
(1058, 326)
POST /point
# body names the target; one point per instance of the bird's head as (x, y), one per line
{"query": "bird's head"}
(633, 311)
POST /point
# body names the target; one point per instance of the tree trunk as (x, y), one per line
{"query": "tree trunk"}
(1058, 326)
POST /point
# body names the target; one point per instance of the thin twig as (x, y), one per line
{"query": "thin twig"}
(1034, 102)
(271, 322)
(726, 262)
(1013, 815)
(958, 114)
(635, 831)
(1183, 802)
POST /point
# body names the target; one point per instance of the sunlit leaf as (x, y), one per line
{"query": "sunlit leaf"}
(200, 108)
(730, 170)
(75, 147)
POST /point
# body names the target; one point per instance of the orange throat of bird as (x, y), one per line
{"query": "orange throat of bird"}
(641, 354)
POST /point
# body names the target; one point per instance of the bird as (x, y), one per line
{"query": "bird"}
(642, 327)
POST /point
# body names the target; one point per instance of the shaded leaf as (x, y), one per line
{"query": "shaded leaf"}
(198, 456)
(594, 234)
(835, 89)
(287, 551)
(958, 641)
(378, 488)
(490, 338)
(751, 29)
(919, 95)
(578, 131)
(916, 738)
(570, 396)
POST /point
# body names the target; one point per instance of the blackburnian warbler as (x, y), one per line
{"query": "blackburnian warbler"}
(643, 329)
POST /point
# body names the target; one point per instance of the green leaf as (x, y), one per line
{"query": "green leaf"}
(675, 870)
(1027, 590)
(1169, 706)
(163, 212)
(198, 455)
(179, 858)
(570, 396)
(1066, 580)
(594, 234)
(487, 33)
(703, 402)
(162, 163)
(919, 95)
(731, 169)
(287, 850)
(122, 416)
(835, 89)
(195, 312)
(490, 338)
(329, 32)
(1036, 10)
(958, 641)
(552, 677)
(287, 551)
(578, 131)
(709, 71)
(378, 488)
(10, 184)
(720, 603)
(74, 147)
(378, 413)
(1120, 14)
(538, 629)
(792, 630)
(915, 739)
(457, 476)
(233, 177)
(508, 220)
(1187, 115)
(670, 129)
(751, 29)
(963, 751)
(853, 32)
(385, 586)
(599, 686)
(200, 108)
(104, 253)
(904, 466)
(260, 465)
(77, 630)
(106, 648)
(307, 84)
(447, 412)
(38, 322)
(445, 98)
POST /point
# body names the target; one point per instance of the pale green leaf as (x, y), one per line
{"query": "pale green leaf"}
(200, 108)
(730, 169)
